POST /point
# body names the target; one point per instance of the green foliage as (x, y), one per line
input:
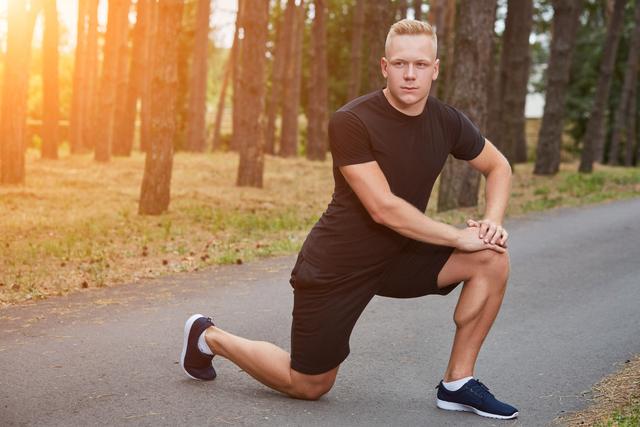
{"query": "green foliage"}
(627, 418)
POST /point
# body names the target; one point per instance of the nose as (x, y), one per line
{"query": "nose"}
(409, 72)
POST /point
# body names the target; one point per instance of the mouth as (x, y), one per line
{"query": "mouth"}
(409, 88)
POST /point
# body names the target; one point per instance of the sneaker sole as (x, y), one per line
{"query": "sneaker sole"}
(452, 406)
(187, 329)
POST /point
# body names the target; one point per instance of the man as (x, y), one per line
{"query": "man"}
(388, 148)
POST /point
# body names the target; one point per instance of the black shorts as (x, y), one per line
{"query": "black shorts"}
(326, 305)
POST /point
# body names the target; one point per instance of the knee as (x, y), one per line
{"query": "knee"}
(495, 264)
(314, 392)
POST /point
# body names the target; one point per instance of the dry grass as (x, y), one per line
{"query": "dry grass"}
(74, 224)
(616, 400)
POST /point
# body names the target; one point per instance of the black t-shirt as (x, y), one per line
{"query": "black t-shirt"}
(411, 151)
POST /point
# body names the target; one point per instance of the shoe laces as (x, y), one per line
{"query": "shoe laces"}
(480, 389)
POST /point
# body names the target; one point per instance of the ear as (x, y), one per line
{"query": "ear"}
(436, 69)
(383, 66)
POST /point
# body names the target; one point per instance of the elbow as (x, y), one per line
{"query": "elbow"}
(380, 213)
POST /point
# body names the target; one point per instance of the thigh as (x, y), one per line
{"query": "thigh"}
(326, 307)
(414, 271)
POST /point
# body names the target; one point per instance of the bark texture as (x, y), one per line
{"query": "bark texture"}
(156, 182)
(291, 93)
(459, 183)
(514, 76)
(117, 19)
(145, 96)
(317, 131)
(630, 81)
(198, 81)
(252, 94)
(123, 143)
(51, 88)
(237, 71)
(594, 137)
(274, 101)
(90, 95)
(78, 113)
(355, 65)
(565, 27)
(21, 21)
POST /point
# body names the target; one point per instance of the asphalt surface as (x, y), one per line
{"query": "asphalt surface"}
(110, 356)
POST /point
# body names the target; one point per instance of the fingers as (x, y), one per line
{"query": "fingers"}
(496, 248)
(472, 223)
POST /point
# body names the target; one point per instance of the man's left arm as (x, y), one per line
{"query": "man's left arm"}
(497, 171)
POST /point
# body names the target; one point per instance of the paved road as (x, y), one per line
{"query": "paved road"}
(110, 356)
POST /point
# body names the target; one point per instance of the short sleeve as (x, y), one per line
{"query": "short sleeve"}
(348, 139)
(466, 140)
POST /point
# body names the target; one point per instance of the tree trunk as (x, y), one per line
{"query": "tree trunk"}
(442, 16)
(378, 21)
(514, 76)
(126, 128)
(106, 114)
(90, 97)
(595, 134)
(565, 27)
(198, 86)
(252, 94)
(145, 96)
(291, 93)
(317, 137)
(156, 182)
(630, 79)
(401, 9)
(417, 10)
(50, 83)
(274, 101)
(77, 115)
(631, 140)
(355, 78)
(459, 183)
(118, 147)
(21, 23)
(237, 65)
(217, 126)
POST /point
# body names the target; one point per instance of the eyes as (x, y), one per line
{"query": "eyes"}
(400, 64)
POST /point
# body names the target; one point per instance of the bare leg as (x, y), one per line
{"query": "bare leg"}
(485, 274)
(269, 364)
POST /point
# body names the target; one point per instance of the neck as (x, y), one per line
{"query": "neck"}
(408, 109)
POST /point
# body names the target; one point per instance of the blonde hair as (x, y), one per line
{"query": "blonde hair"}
(411, 27)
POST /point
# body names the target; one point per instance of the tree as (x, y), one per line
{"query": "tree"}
(317, 130)
(51, 89)
(156, 182)
(459, 183)
(217, 125)
(594, 138)
(417, 9)
(237, 63)
(630, 81)
(123, 143)
(145, 96)
(79, 79)
(566, 14)
(356, 50)
(21, 21)
(442, 15)
(117, 19)
(198, 83)
(631, 130)
(89, 92)
(514, 75)
(252, 94)
(291, 93)
(284, 29)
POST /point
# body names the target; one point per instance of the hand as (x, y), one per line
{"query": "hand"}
(469, 241)
(490, 232)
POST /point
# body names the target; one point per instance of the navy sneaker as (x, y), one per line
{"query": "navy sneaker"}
(195, 363)
(474, 396)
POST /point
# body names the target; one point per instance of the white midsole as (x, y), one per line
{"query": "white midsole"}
(452, 406)
(187, 329)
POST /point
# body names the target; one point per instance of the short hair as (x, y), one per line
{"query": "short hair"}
(411, 27)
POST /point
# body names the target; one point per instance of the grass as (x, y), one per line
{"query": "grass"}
(616, 400)
(74, 224)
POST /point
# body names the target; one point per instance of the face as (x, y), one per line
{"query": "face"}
(410, 66)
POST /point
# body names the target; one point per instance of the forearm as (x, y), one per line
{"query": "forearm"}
(405, 219)
(497, 189)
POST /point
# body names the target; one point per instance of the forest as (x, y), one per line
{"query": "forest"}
(138, 79)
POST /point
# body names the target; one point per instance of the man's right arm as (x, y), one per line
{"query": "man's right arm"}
(372, 188)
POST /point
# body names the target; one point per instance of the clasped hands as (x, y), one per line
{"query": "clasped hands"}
(483, 234)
